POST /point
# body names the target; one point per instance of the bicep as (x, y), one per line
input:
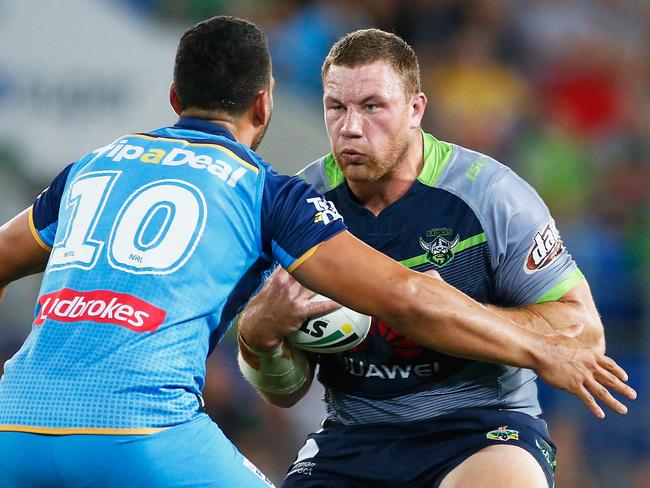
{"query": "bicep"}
(356, 276)
(20, 252)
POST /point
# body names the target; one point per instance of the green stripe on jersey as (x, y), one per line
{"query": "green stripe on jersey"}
(333, 171)
(564, 286)
(436, 156)
(461, 246)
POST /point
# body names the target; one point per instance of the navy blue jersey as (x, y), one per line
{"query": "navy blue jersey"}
(488, 234)
(157, 240)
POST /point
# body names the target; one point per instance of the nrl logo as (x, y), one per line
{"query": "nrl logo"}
(440, 250)
(503, 433)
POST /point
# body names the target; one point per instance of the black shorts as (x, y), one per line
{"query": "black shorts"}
(414, 454)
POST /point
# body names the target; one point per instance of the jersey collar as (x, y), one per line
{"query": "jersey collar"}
(435, 154)
(203, 125)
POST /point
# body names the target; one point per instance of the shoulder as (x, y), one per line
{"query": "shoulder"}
(487, 185)
(323, 174)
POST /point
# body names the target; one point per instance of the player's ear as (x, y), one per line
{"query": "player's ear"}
(262, 107)
(174, 100)
(418, 105)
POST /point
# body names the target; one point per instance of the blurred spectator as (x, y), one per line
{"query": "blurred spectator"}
(300, 43)
(474, 99)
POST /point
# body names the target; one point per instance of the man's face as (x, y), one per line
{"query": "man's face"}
(367, 118)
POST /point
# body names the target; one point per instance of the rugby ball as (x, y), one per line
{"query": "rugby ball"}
(336, 331)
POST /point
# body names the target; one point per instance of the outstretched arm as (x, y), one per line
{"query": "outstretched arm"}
(440, 317)
(20, 254)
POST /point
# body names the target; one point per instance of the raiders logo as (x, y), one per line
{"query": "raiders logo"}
(547, 245)
(440, 250)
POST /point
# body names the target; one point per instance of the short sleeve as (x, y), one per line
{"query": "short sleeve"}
(44, 215)
(295, 219)
(530, 261)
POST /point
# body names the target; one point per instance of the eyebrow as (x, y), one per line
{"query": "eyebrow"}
(331, 98)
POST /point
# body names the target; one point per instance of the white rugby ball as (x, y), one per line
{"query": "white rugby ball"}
(336, 331)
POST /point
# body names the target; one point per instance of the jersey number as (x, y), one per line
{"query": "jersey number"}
(155, 231)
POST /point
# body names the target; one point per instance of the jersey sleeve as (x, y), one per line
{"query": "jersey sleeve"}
(44, 215)
(295, 219)
(530, 260)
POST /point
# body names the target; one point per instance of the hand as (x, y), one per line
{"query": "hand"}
(573, 330)
(570, 365)
(278, 309)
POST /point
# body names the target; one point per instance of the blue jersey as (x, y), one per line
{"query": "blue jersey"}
(157, 240)
(488, 234)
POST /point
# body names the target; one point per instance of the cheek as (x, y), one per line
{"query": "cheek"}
(386, 131)
(333, 125)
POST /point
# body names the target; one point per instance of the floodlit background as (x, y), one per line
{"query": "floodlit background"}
(557, 89)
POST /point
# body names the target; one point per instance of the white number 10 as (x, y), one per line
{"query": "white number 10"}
(134, 245)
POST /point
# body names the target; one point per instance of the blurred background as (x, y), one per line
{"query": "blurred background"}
(557, 89)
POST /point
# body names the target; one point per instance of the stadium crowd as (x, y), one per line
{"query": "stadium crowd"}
(557, 89)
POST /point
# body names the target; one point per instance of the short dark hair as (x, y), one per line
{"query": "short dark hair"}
(367, 46)
(221, 64)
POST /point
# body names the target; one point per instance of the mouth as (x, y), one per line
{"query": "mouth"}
(352, 156)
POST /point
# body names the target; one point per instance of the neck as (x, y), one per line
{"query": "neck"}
(377, 195)
(242, 132)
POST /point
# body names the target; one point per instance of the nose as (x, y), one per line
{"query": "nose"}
(352, 124)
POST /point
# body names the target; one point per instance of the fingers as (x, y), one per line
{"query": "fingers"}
(610, 365)
(318, 309)
(614, 383)
(586, 398)
(603, 393)
(610, 376)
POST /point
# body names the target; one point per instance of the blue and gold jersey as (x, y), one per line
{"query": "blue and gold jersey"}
(488, 234)
(156, 242)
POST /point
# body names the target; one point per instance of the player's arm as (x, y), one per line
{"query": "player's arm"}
(20, 252)
(26, 240)
(574, 307)
(438, 316)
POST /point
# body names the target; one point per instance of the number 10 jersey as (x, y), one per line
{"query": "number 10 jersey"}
(156, 242)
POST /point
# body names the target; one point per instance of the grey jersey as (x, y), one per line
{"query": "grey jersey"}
(487, 233)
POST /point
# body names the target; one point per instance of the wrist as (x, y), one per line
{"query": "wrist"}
(255, 338)
(280, 371)
(537, 352)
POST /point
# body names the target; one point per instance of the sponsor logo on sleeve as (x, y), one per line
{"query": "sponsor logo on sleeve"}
(105, 306)
(325, 210)
(547, 245)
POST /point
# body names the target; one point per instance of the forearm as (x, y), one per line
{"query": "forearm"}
(427, 310)
(574, 308)
(465, 328)
(282, 375)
